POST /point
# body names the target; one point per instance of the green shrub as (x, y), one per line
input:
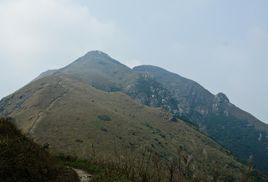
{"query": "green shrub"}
(104, 118)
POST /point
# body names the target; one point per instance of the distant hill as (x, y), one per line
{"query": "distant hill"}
(97, 102)
(23, 160)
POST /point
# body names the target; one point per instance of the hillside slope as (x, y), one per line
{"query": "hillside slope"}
(77, 119)
(237, 130)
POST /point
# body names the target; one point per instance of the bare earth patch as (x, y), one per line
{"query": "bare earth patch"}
(83, 175)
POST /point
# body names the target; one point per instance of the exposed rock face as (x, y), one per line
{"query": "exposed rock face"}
(2, 106)
(149, 92)
(189, 95)
(221, 104)
(222, 98)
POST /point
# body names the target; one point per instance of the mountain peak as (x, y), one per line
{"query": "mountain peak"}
(96, 53)
(91, 58)
(97, 57)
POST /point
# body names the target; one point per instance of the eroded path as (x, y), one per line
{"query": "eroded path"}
(83, 175)
(42, 114)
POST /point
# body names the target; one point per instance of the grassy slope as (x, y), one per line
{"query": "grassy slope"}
(64, 113)
(23, 160)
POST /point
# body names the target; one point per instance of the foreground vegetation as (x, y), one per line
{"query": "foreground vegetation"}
(23, 160)
(151, 168)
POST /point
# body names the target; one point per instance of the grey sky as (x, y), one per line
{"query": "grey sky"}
(223, 45)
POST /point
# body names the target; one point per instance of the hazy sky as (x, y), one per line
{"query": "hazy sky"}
(222, 44)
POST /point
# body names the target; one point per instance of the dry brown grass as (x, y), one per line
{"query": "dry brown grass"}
(67, 113)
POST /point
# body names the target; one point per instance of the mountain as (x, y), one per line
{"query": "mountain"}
(98, 105)
(240, 132)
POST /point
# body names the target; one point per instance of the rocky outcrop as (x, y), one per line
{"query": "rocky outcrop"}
(149, 92)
